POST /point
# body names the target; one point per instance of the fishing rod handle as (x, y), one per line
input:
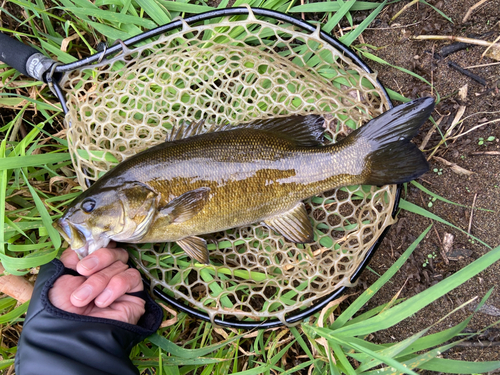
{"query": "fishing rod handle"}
(25, 59)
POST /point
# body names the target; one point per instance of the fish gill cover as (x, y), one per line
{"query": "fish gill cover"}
(233, 71)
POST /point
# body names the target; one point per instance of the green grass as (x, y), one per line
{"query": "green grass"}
(37, 183)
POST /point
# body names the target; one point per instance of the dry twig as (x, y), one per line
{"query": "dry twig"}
(474, 128)
(403, 9)
(481, 65)
(429, 133)
(478, 42)
(486, 153)
(454, 167)
(471, 215)
(471, 9)
(458, 116)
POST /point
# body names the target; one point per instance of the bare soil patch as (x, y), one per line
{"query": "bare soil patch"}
(422, 271)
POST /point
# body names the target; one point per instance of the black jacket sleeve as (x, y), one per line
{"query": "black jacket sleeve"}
(56, 342)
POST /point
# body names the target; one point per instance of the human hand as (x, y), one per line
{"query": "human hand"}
(100, 290)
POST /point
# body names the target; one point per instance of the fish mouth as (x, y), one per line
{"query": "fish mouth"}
(63, 228)
(75, 237)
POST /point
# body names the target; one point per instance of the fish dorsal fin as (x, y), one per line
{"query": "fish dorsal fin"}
(305, 131)
(185, 130)
(294, 225)
(187, 205)
(196, 248)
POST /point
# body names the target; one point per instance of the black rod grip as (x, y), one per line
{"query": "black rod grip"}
(25, 59)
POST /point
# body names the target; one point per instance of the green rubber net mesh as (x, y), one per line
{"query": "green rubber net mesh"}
(234, 70)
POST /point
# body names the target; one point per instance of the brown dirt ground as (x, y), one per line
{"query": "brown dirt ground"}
(399, 49)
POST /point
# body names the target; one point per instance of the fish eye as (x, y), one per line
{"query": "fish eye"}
(88, 205)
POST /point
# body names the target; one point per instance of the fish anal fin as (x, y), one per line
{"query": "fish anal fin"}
(294, 225)
(187, 205)
(196, 248)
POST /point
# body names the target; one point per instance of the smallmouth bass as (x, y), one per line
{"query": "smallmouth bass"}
(236, 176)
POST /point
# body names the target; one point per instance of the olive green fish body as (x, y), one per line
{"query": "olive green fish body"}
(252, 175)
(259, 172)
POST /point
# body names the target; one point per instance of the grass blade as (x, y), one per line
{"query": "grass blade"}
(437, 10)
(438, 197)
(370, 292)
(372, 57)
(331, 6)
(301, 342)
(154, 11)
(332, 336)
(3, 189)
(112, 17)
(181, 352)
(32, 160)
(411, 207)
(343, 10)
(185, 7)
(47, 221)
(407, 308)
(452, 366)
(351, 36)
(13, 316)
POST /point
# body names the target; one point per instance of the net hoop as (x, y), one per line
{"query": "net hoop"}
(300, 31)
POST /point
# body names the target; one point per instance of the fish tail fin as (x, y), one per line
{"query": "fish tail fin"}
(394, 159)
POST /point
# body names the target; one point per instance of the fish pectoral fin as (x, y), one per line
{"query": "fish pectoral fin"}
(294, 225)
(187, 205)
(196, 248)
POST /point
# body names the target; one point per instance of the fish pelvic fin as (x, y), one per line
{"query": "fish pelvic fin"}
(294, 225)
(393, 158)
(196, 248)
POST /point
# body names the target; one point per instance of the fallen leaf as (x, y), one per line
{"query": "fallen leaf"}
(462, 92)
(494, 54)
(447, 246)
(169, 322)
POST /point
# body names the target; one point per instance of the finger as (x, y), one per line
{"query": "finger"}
(126, 309)
(101, 259)
(128, 281)
(69, 258)
(95, 284)
(133, 306)
(60, 293)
